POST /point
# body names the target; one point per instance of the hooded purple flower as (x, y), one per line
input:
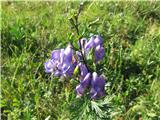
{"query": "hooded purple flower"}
(90, 44)
(98, 40)
(54, 65)
(95, 42)
(97, 86)
(56, 54)
(62, 63)
(86, 81)
(99, 53)
(79, 90)
(68, 54)
(83, 85)
(69, 62)
(50, 66)
(83, 71)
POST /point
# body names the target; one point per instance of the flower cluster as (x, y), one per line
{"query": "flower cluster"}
(63, 63)
(94, 43)
(93, 81)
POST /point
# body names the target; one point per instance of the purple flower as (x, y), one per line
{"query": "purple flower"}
(98, 40)
(99, 53)
(95, 42)
(83, 85)
(90, 44)
(57, 73)
(79, 55)
(54, 65)
(56, 54)
(95, 83)
(68, 54)
(97, 86)
(83, 71)
(79, 90)
(86, 81)
(50, 66)
(69, 62)
(62, 62)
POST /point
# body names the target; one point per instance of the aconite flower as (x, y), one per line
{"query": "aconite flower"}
(62, 62)
(95, 43)
(83, 85)
(97, 86)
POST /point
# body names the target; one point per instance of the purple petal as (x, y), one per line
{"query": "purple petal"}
(97, 82)
(86, 81)
(99, 53)
(61, 56)
(57, 73)
(79, 55)
(79, 90)
(65, 67)
(49, 66)
(90, 43)
(68, 52)
(94, 76)
(56, 54)
(70, 70)
(83, 70)
(98, 40)
(101, 82)
(97, 86)
(59, 66)
(93, 93)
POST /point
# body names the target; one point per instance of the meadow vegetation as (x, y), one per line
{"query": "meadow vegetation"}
(131, 37)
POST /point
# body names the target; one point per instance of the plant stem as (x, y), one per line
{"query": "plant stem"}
(76, 25)
(79, 40)
(83, 55)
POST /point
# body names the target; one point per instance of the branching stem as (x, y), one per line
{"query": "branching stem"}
(76, 25)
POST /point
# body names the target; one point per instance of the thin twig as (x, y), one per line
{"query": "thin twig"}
(76, 25)
(79, 40)
(83, 55)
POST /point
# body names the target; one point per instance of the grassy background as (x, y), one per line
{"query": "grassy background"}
(31, 30)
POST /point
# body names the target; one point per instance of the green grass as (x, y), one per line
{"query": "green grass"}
(31, 30)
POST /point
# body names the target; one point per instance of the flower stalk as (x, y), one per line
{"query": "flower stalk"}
(64, 64)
